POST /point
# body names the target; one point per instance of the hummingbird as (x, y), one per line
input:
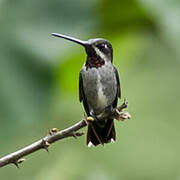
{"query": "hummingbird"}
(99, 89)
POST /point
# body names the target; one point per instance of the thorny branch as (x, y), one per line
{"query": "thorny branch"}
(54, 135)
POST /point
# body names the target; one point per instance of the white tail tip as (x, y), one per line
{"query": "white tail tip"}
(112, 140)
(90, 144)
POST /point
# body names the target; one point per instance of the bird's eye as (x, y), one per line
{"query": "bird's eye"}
(102, 46)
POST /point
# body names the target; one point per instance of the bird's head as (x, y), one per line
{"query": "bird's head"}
(98, 50)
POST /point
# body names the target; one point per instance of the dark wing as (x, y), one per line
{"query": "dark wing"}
(81, 90)
(118, 83)
(82, 97)
(118, 95)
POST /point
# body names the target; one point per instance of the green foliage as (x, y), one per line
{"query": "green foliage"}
(67, 73)
(119, 16)
(39, 87)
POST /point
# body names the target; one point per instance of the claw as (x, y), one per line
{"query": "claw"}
(125, 115)
(121, 116)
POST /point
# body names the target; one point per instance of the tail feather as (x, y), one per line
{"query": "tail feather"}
(100, 135)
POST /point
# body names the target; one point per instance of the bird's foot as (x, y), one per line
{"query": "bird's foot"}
(90, 119)
(121, 116)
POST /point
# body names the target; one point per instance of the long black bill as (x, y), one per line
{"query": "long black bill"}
(78, 41)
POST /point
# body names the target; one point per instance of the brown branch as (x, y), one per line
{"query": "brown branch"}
(53, 136)
(43, 143)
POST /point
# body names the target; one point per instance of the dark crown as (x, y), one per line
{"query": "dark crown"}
(102, 45)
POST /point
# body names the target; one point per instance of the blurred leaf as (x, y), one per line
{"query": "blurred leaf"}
(117, 16)
(166, 15)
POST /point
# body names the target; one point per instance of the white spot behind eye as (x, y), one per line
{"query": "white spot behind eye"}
(99, 53)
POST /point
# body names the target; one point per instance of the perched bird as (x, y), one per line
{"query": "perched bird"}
(99, 89)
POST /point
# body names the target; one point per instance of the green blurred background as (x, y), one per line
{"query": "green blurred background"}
(39, 87)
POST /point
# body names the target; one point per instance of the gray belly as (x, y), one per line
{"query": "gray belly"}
(100, 87)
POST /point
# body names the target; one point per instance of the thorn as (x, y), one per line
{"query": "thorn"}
(74, 135)
(79, 133)
(45, 145)
(19, 161)
(16, 164)
(53, 131)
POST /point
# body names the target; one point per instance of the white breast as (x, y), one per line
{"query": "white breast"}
(99, 87)
(101, 98)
